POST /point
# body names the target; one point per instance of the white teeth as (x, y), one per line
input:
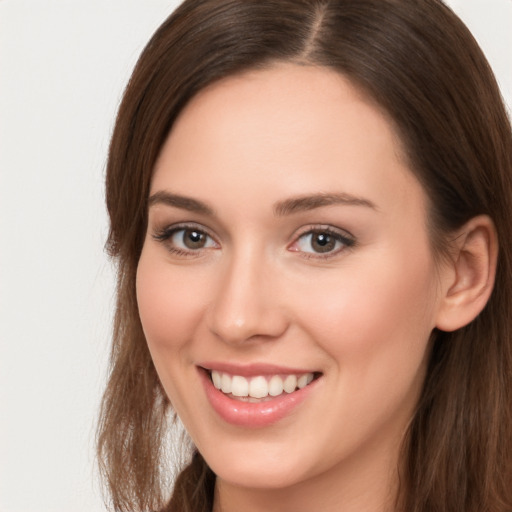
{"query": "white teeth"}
(217, 379)
(304, 380)
(290, 383)
(239, 386)
(275, 386)
(260, 386)
(226, 383)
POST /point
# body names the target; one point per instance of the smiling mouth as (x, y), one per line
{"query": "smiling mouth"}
(259, 388)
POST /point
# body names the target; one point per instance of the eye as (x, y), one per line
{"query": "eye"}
(322, 242)
(191, 239)
(184, 240)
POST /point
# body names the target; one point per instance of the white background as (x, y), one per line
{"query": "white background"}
(63, 66)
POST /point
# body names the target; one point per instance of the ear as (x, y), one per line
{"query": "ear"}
(469, 276)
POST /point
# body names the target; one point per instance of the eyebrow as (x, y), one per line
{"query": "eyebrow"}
(281, 208)
(183, 202)
(310, 202)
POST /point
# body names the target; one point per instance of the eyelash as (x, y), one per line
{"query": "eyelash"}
(346, 240)
(165, 235)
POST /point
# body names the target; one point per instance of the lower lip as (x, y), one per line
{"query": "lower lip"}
(253, 414)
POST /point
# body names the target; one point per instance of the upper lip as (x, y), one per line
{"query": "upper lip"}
(253, 369)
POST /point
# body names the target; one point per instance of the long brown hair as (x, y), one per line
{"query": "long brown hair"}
(418, 61)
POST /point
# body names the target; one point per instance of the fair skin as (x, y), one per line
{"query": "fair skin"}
(240, 274)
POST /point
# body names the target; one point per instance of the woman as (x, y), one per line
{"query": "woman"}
(309, 210)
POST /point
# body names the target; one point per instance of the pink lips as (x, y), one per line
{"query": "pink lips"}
(253, 414)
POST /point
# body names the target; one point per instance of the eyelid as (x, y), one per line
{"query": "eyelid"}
(164, 234)
(324, 227)
(168, 230)
(345, 237)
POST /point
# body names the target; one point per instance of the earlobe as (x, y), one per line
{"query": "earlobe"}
(471, 274)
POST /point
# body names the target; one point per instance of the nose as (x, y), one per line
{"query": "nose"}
(246, 304)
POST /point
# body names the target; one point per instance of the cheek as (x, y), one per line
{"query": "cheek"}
(170, 307)
(377, 316)
(169, 302)
(375, 329)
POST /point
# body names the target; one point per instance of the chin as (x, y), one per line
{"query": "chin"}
(259, 466)
(258, 476)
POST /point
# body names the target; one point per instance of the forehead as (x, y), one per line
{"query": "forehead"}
(285, 130)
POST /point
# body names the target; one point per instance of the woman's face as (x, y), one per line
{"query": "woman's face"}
(286, 242)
